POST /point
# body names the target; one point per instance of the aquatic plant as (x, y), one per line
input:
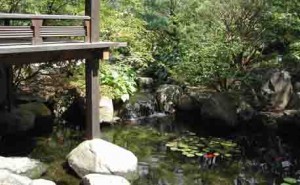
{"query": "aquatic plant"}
(191, 145)
(289, 181)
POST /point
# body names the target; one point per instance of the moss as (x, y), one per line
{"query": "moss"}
(38, 109)
(53, 151)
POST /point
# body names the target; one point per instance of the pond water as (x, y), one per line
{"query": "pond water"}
(170, 154)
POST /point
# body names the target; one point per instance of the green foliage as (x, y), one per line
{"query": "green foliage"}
(211, 42)
(121, 22)
(219, 39)
(42, 6)
(117, 81)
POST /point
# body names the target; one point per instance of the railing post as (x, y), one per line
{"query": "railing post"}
(92, 8)
(36, 27)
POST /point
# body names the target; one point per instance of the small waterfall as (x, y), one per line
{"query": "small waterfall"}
(140, 106)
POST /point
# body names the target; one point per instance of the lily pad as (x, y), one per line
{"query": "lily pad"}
(171, 144)
(174, 149)
(228, 155)
(290, 180)
(199, 154)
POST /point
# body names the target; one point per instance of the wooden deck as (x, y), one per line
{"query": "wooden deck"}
(37, 42)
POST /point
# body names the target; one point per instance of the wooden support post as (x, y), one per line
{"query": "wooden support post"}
(9, 80)
(92, 8)
(36, 27)
(92, 98)
(9, 86)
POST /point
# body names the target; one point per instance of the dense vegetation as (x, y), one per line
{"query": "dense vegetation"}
(218, 44)
(211, 42)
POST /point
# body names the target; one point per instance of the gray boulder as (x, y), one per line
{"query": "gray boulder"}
(277, 91)
(16, 121)
(193, 98)
(106, 109)
(168, 97)
(145, 82)
(23, 166)
(219, 108)
(98, 179)
(245, 111)
(101, 157)
(140, 105)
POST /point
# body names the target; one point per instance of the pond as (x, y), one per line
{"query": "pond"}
(170, 153)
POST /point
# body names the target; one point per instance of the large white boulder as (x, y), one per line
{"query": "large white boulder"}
(41, 182)
(22, 166)
(8, 178)
(99, 156)
(98, 179)
(106, 109)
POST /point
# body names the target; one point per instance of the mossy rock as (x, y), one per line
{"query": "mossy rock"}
(36, 172)
(38, 109)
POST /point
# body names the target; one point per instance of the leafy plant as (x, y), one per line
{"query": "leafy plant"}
(117, 81)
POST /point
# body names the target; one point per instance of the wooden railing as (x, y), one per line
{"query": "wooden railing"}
(37, 32)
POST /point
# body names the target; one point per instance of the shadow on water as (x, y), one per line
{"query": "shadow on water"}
(17, 145)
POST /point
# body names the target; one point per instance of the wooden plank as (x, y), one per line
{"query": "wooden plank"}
(36, 16)
(48, 56)
(11, 36)
(55, 47)
(67, 34)
(92, 8)
(60, 27)
(17, 28)
(7, 32)
(67, 31)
